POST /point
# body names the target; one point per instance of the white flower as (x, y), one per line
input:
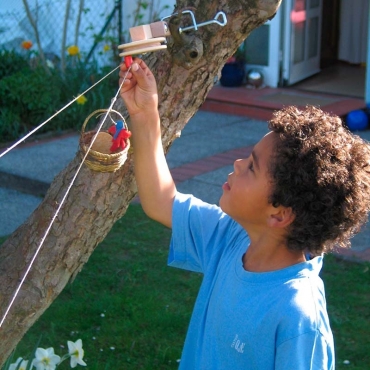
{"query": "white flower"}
(46, 359)
(20, 364)
(49, 63)
(76, 352)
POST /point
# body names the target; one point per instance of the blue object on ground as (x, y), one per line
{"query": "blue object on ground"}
(357, 120)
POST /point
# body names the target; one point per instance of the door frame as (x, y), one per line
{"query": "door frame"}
(292, 74)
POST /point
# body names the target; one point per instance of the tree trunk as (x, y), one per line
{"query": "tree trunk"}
(185, 73)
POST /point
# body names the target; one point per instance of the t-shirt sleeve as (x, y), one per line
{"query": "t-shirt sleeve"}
(197, 227)
(308, 351)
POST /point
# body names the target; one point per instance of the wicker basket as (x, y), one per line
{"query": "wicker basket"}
(97, 161)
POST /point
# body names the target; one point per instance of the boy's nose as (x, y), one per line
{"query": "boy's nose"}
(238, 165)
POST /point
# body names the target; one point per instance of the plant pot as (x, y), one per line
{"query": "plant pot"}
(232, 74)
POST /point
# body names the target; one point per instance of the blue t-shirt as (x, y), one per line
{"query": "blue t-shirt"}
(243, 320)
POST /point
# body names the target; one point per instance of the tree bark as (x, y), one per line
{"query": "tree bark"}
(185, 73)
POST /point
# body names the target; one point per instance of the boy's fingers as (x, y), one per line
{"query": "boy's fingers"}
(123, 75)
(125, 86)
(139, 73)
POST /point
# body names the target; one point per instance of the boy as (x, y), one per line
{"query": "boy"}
(304, 189)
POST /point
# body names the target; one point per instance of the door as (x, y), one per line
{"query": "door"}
(301, 44)
(262, 48)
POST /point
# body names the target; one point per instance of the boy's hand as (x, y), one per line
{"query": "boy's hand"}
(139, 90)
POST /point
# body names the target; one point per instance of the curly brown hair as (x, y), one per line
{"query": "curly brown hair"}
(322, 171)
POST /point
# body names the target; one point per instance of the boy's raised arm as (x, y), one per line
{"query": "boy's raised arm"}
(155, 184)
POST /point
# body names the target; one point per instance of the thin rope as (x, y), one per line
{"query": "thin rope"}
(55, 114)
(61, 203)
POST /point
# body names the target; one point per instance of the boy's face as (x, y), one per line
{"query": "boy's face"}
(245, 194)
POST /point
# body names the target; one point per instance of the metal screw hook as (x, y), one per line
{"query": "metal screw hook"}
(184, 12)
(222, 22)
(215, 20)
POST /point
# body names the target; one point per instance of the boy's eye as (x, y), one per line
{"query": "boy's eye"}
(250, 167)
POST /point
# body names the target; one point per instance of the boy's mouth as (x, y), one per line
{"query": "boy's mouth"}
(226, 186)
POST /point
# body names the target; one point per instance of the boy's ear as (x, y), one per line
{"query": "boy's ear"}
(281, 217)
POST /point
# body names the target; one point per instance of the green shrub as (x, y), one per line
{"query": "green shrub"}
(29, 96)
(11, 62)
(10, 124)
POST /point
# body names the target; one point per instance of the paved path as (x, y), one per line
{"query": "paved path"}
(199, 161)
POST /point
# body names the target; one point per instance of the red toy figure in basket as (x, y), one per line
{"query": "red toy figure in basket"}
(120, 135)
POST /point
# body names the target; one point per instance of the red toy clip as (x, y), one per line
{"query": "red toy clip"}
(120, 135)
(128, 61)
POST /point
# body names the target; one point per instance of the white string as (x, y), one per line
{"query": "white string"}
(54, 115)
(61, 203)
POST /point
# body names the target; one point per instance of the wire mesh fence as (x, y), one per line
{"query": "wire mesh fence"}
(54, 50)
(96, 27)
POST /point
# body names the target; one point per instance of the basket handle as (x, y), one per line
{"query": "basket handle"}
(102, 111)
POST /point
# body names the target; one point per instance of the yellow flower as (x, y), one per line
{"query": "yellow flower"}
(81, 100)
(27, 44)
(106, 48)
(73, 50)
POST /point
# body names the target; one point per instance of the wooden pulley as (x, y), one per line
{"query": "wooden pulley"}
(145, 38)
(142, 46)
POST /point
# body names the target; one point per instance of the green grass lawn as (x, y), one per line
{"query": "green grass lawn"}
(347, 287)
(132, 311)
